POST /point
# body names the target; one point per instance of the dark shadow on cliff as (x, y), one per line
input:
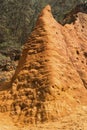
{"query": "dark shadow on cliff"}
(72, 15)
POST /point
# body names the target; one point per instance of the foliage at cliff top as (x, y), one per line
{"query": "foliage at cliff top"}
(17, 17)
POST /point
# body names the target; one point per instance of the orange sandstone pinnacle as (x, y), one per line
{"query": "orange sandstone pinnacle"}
(53, 65)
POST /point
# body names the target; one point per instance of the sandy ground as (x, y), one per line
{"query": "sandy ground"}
(75, 121)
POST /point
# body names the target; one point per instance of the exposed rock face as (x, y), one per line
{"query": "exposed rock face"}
(71, 16)
(52, 68)
(76, 39)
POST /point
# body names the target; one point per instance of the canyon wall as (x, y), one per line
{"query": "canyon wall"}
(52, 68)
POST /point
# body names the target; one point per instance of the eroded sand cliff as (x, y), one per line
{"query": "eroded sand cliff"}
(51, 80)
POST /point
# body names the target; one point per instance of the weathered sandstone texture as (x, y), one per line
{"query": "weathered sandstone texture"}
(51, 75)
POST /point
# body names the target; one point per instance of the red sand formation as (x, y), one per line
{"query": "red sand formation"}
(52, 68)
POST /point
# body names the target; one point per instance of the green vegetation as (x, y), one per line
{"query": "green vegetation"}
(17, 17)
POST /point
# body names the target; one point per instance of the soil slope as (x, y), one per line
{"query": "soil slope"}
(52, 67)
(51, 80)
